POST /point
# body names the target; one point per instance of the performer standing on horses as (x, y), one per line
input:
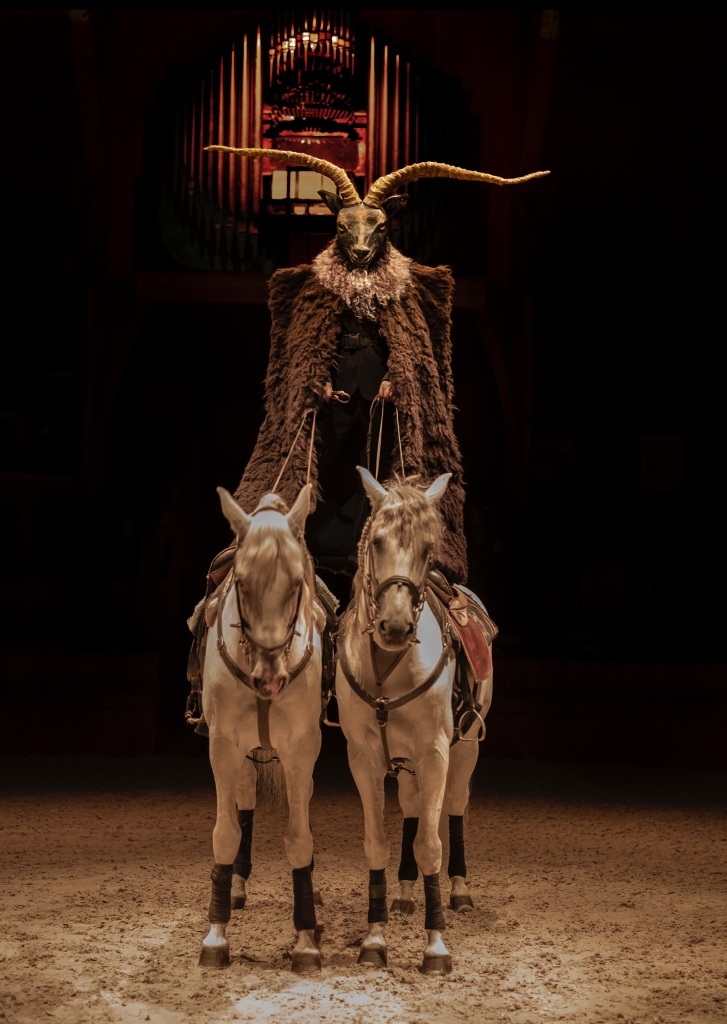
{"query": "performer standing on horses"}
(361, 323)
(389, 343)
(362, 328)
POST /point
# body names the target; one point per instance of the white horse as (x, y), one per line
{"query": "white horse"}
(394, 686)
(262, 689)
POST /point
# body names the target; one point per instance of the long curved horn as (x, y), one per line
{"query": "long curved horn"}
(386, 184)
(345, 186)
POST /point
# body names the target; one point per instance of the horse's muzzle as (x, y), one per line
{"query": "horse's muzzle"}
(393, 634)
(270, 676)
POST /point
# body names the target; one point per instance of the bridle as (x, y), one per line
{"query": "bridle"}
(374, 589)
(248, 642)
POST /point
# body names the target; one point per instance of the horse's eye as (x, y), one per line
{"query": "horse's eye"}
(378, 542)
(242, 584)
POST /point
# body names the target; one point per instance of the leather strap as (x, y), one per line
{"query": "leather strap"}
(383, 705)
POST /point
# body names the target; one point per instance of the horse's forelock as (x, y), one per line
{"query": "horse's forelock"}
(407, 509)
(269, 543)
(273, 503)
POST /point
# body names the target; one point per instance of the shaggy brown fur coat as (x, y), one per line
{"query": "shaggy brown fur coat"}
(415, 321)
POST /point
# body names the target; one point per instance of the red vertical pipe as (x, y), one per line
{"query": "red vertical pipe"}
(245, 129)
(407, 118)
(395, 124)
(257, 124)
(201, 144)
(371, 120)
(221, 135)
(384, 115)
(209, 133)
(232, 163)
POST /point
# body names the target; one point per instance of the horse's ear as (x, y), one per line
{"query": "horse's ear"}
(373, 488)
(299, 512)
(435, 491)
(238, 520)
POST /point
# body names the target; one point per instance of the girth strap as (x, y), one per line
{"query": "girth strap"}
(383, 705)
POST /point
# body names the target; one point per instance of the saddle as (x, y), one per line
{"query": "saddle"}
(470, 622)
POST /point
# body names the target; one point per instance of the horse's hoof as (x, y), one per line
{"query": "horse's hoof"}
(215, 956)
(405, 907)
(461, 903)
(317, 901)
(238, 902)
(372, 956)
(437, 964)
(305, 963)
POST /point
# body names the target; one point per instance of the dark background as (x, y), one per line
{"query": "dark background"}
(587, 363)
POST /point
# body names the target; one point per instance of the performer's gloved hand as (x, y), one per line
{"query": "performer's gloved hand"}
(316, 395)
(385, 392)
(329, 395)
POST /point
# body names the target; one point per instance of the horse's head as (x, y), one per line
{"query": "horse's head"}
(270, 574)
(395, 555)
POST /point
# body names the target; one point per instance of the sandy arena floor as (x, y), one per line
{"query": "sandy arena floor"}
(601, 898)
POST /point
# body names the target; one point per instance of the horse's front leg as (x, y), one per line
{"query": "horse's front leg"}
(298, 764)
(369, 780)
(224, 759)
(408, 790)
(432, 772)
(245, 799)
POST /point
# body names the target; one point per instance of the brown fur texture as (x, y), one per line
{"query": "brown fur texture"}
(413, 304)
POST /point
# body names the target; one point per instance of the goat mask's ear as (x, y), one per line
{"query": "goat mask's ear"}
(373, 488)
(394, 204)
(332, 201)
(238, 520)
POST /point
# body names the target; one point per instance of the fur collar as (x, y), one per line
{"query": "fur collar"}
(367, 290)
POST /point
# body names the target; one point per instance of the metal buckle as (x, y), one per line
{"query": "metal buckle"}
(382, 712)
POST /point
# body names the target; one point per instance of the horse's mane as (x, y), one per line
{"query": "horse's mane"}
(406, 509)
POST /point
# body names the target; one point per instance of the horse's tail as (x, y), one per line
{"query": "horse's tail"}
(271, 792)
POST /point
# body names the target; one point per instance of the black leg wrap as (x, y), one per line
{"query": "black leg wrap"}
(408, 871)
(433, 912)
(456, 864)
(304, 912)
(377, 897)
(243, 860)
(220, 903)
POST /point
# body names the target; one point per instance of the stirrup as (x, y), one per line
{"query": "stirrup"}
(461, 732)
